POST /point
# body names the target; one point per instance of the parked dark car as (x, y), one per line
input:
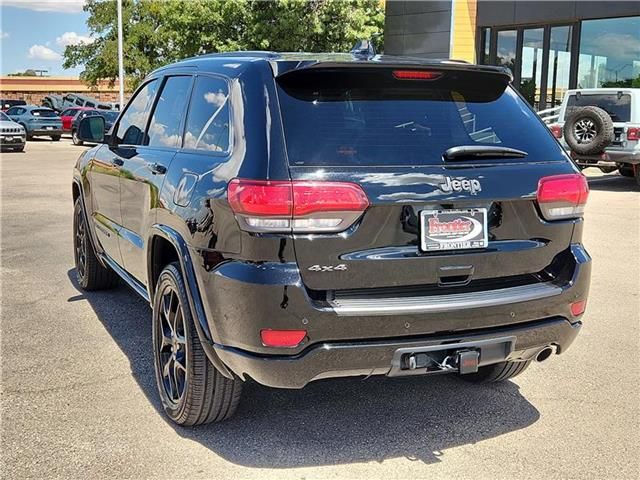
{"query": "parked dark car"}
(109, 119)
(37, 121)
(7, 104)
(310, 216)
(12, 135)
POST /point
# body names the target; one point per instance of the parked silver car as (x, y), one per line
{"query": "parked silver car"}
(12, 135)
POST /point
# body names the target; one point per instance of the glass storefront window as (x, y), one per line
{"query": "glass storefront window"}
(609, 53)
(531, 69)
(559, 64)
(485, 41)
(506, 50)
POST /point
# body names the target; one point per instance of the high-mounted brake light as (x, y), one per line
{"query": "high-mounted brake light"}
(633, 133)
(556, 130)
(416, 75)
(562, 196)
(282, 338)
(295, 206)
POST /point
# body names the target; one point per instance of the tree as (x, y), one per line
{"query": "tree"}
(158, 32)
(27, 73)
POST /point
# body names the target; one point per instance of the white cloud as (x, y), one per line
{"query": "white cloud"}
(3, 35)
(40, 52)
(64, 6)
(72, 38)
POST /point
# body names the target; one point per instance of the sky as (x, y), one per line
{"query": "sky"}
(34, 33)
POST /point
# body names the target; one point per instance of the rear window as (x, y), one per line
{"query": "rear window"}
(618, 106)
(44, 113)
(356, 117)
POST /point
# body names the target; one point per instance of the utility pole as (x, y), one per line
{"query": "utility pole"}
(120, 55)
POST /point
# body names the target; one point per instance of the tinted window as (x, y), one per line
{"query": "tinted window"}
(208, 119)
(79, 102)
(506, 50)
(90, 104)
(44, 113)
(13, 111)
(134, 120)
(617, 106)
(164, 129)
(350, 119)
(4, 118)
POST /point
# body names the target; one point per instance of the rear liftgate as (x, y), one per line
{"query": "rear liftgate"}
(463, 357)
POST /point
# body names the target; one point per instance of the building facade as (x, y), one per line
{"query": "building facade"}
(550, 46)
(33, 89)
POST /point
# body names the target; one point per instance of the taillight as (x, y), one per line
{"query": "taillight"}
(562, 196)
(282, 338)
(416, 75)
(633, 133)
(556, 130)
(295, 206)
(578, 308)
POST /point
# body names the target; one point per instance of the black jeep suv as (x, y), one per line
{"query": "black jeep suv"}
(294, 217)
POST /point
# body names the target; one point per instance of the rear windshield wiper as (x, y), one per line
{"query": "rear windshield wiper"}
(481, 151)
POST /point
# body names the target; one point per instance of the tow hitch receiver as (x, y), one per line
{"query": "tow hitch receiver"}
(464, 357)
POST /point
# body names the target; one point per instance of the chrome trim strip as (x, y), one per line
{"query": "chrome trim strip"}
(346, 307)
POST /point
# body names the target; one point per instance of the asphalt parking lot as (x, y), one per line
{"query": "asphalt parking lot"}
(79, 398)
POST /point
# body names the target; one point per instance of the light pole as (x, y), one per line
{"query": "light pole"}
(120, 55)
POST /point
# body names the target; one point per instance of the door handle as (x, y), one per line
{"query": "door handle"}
(117, 161)
(157, 169)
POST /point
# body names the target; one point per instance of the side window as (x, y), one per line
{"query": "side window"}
(164, 129)
(134, 120)
(79, 102)
(90, 104)
(12, 111)
(208, 118)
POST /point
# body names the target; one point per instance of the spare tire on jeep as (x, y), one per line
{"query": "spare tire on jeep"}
(588, 130)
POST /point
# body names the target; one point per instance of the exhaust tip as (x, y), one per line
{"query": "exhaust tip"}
(544, 354)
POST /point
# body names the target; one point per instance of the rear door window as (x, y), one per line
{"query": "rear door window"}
(618, 106)
(165, 127)
(208, 118)
(367, 117)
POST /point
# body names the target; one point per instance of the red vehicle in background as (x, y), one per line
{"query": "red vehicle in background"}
(68, 115)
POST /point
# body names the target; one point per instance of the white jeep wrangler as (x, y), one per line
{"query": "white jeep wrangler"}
(600, 127)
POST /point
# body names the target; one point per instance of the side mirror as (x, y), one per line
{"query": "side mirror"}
(91, 129)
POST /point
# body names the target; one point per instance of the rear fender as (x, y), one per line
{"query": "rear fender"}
(195, 301)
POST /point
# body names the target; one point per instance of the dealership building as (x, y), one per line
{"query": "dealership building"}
(550, 46)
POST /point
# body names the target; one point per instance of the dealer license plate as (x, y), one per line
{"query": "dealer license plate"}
(453, 229)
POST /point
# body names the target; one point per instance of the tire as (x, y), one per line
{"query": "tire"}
(90, 273)
(626, 171)
(588, 130)
(192, 390)
(498, 372)
(56, 138)
(75, 139)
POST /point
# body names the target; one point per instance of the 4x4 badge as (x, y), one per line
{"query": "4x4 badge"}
(471, 186)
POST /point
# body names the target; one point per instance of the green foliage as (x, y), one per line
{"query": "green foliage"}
(158, 32)
(27, 73)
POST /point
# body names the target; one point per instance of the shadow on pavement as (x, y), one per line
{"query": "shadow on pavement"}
(330, 421)
(613, 183)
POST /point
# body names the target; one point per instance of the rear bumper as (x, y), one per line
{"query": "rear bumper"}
(240, 298)
(609, 158)
(38, 132)
(344, 359)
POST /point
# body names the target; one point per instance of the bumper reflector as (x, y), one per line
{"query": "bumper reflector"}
(282, 338)
(578, 308)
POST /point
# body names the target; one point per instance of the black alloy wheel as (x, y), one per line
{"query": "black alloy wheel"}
(172, 350)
